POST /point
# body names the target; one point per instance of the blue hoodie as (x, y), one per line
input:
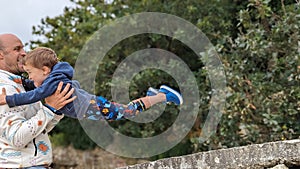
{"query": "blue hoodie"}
(62, 71)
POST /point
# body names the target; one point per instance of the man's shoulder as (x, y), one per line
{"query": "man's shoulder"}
(8, 78)
(11, 82)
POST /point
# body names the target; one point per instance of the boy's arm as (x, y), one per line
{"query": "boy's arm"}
(39, 93)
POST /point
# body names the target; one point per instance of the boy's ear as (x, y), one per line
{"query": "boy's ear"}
(46, 70)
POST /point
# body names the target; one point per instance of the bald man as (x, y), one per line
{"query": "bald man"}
(24, 141)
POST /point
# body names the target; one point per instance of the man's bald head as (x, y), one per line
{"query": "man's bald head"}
(11, 53)
(7, 37)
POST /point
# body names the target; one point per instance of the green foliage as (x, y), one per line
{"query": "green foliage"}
(69, 131)
(58, 139)
(263, 76)
(258, 42)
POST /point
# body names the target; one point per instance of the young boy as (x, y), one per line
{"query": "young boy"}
(45, 72)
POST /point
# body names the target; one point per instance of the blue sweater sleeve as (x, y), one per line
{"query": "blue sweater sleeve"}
(27, 84)
(39, 93)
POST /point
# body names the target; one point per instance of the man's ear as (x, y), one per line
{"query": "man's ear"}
(46, 70)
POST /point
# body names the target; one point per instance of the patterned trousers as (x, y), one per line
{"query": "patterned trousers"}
(101, 108)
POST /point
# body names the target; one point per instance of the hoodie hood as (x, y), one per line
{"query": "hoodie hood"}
(63, 68)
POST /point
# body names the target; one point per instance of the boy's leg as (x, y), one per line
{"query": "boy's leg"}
(152, 100)
(101, 108)
(164, 94)
(171, 94)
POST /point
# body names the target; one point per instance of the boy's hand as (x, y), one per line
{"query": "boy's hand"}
(3, 97)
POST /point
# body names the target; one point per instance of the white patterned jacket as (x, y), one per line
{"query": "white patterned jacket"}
(24, 129)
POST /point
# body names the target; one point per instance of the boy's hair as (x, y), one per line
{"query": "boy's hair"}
(40, 57)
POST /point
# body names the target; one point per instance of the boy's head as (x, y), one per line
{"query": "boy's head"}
(38, 64)
(40, 57)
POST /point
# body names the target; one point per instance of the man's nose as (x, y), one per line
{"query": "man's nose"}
(23, 53)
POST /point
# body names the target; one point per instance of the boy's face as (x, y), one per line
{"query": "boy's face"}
(37, 75)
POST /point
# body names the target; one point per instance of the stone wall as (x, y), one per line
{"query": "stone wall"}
(70, 158)
(276, 155)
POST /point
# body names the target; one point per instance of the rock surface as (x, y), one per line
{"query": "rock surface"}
(70, 158)
(276, 155)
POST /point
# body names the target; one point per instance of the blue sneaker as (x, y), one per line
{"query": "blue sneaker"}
(171, 95)
(152, 92)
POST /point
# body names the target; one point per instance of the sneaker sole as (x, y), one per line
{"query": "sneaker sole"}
(173, 91)
(153, 90)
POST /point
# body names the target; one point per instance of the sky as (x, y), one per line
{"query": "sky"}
(18, 16)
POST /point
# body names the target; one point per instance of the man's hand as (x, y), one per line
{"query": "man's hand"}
(3, 97)
(60, 98)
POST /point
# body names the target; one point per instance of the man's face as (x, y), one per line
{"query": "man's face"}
(11, 54)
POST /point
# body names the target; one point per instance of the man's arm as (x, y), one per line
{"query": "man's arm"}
(60, 98)
(57, 101)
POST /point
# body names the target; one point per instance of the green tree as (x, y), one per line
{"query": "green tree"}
(262, 65)
(258, 42)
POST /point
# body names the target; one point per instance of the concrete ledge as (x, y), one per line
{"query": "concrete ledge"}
(256, 156)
